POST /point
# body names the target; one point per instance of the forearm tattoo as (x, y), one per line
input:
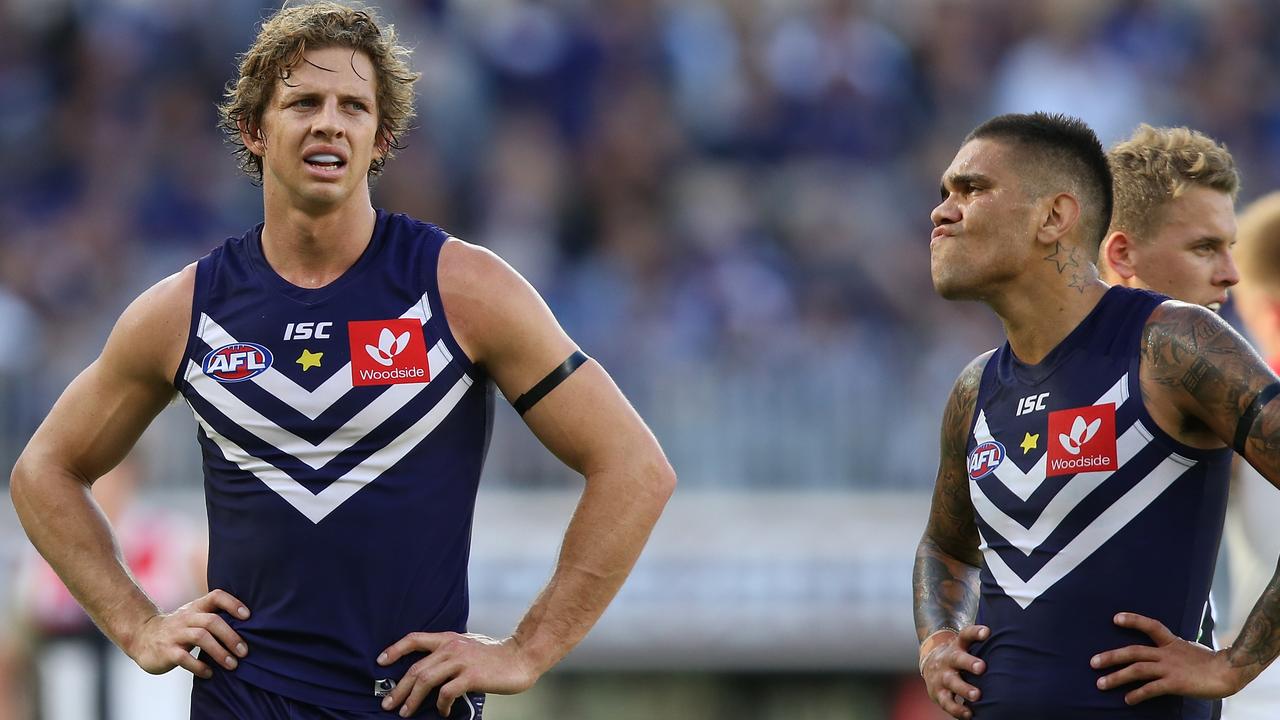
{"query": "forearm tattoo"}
(1259, 639)
(945, 578)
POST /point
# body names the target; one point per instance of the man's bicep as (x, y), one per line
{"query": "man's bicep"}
(589, 425)
(96, 421)
(951, 525)
(1193, 360)
(499, 319)
(103, 411)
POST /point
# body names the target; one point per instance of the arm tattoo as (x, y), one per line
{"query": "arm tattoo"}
(1190, 357)
(1194, 359)
(945, 591)
(1195, 375)
(945, 578)
(1259, 639)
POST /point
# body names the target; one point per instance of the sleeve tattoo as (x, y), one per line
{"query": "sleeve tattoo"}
(945, 578)
(1213, 373)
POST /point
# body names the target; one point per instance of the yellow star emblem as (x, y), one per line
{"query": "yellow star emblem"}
(1029, 442)
(309, 360)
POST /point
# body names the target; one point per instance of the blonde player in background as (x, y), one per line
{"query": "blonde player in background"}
(1174, 220)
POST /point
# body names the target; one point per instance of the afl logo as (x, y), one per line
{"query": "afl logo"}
(237, 362)
(985, 459)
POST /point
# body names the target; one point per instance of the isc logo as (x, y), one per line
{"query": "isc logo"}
(985, 459)
(1031, 403)
(307, 330)
(236, 362)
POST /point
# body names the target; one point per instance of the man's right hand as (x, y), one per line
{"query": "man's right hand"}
(943, 657)
(165, 640)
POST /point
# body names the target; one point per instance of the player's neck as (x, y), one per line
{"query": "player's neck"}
(312, 249)
(1039, 318)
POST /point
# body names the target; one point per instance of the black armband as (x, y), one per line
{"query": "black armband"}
(1250, 415)
(549, 383)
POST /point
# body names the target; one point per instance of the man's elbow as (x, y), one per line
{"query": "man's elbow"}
(31, 476)
(18, 479)
(661, 479)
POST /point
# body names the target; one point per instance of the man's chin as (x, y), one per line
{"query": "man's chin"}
(949, 290)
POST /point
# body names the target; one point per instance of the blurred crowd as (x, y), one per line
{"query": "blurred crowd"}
(725, 201)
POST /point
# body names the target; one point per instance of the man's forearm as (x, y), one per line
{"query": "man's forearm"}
(609, 528)
(1259, 640)
(945, 590)
(66, 525)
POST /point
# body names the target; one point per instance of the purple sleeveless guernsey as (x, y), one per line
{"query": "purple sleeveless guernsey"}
(343, 432)
(1085, 508)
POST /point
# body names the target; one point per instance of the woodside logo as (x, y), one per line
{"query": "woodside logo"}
(1082, 440)
(388, 352)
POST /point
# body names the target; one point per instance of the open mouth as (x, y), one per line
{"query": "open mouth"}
(325, 161)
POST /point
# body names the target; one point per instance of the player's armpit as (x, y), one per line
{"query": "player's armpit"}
(945, 579)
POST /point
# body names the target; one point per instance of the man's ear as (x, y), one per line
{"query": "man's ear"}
(1061, 215)
(1119, 256)
(252, 137)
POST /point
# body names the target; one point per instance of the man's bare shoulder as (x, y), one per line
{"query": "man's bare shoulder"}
(498, 318)
(964, 393)
(1178, 335)
(151, 335)
(484, 298)
(466, 268)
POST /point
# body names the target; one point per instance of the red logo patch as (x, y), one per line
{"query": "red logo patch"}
(388, 352)
(1082, 440)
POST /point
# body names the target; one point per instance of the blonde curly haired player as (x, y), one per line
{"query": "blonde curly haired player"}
(1174, 219)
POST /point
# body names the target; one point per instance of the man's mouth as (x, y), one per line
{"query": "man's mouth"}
(325, 160)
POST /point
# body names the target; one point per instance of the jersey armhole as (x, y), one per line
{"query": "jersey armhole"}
(198, 293)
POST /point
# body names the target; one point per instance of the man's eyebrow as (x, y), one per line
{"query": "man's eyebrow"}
(963, 180)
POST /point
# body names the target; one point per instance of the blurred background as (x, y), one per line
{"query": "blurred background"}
(724, 201)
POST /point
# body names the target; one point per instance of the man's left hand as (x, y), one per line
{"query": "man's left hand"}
(457, 663)
(1172, 667)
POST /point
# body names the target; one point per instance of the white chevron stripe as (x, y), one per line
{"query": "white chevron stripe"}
(1077, 489)
(308, 402)
(1118, 393)
(1107, 524)
(319, 454)
(1022, 483)
(317, 506)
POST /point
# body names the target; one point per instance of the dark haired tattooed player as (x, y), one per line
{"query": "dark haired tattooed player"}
(339, 361)
(1065, 568)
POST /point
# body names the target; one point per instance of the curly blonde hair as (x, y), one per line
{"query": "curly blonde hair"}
(282, 41)
(1158, 165)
